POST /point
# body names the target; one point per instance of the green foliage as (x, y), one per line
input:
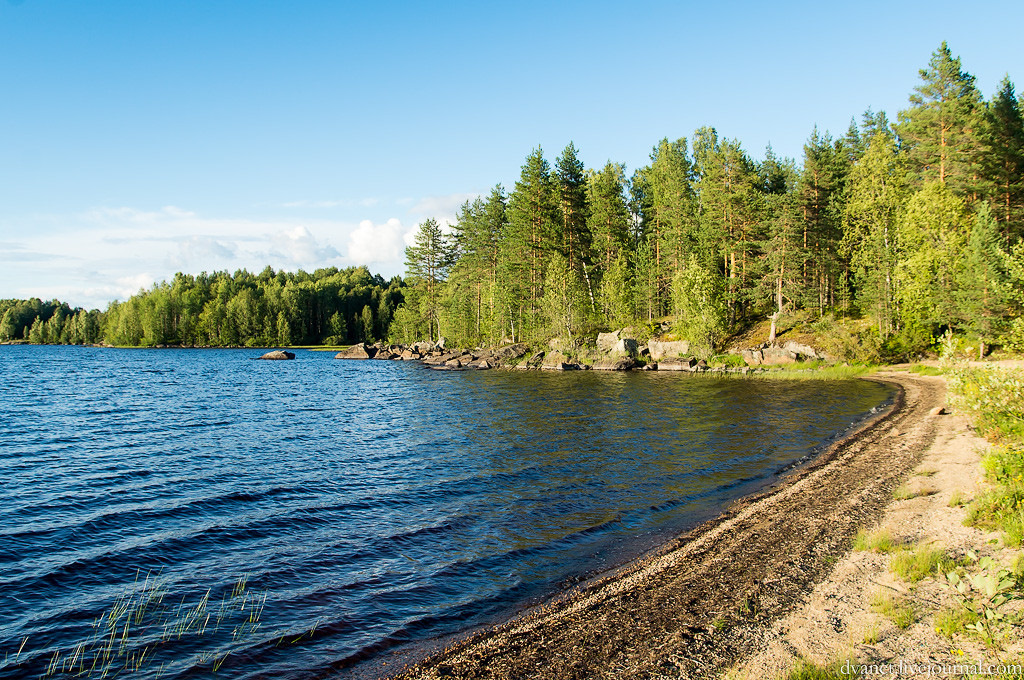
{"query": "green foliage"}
(983, 589)
(697, 297)
(954, 620)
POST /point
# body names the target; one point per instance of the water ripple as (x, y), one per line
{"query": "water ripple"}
(350, 508)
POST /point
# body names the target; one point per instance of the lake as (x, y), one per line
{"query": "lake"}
(175, 512)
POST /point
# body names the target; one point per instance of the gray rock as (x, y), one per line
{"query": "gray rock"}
(606, 341)
(676, 365)
(554, 360)
(802, 351)
(510, 352)
(278, 355)
(753, 357)
(671, 349)
(774, 356)
(627, 346)
(615, 364)
(360, 351)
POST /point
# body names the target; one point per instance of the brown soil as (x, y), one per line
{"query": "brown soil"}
(711, 597)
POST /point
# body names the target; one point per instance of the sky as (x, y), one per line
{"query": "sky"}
(139, 138)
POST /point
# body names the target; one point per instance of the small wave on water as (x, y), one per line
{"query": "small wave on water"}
(170, 513)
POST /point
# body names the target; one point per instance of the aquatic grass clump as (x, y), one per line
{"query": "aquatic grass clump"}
(142, 626)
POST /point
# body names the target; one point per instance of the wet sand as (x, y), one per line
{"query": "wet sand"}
(709, 598)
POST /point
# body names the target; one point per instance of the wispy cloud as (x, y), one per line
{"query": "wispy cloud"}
(110, 252)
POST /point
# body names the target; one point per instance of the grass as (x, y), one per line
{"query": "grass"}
(834, 372)
(807, 670)
(872, 635)
(928, 472)
(914, 564)
(954, 621)
(879, 541)
(143, 625)
(905, 492)
(921, 369)
(902, 613)
(957, 499)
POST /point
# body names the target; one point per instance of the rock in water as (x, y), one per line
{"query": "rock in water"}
(277, 355)
(360, 351)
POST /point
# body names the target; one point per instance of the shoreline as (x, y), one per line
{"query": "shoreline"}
(705, 600)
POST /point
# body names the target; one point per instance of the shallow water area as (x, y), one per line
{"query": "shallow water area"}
(301, 519)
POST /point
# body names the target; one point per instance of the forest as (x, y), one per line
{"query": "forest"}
(912, 228)
(329, 306)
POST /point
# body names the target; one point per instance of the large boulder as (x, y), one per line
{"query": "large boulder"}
(777, 355)
(534, 361)
(615, 364)
(606, 341)
(627, 346)
(277, 355)
(511, 352)
(554, 360)
(669, 349)
(753, 357)
(360, 351)
(677, 364)
(801, 351)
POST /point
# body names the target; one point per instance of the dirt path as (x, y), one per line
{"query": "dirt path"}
(712, 596)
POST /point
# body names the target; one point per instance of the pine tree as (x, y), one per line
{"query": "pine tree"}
(939, 130)
(427, 264)
(878, 189)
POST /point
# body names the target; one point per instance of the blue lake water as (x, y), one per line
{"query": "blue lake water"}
(168, 513)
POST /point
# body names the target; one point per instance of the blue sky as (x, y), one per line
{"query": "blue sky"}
(139, 138)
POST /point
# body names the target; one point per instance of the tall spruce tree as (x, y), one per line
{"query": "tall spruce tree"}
(1002, 160)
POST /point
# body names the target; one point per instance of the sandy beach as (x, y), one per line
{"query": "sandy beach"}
(717, 598)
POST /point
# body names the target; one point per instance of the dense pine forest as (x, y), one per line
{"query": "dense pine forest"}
(910, 228)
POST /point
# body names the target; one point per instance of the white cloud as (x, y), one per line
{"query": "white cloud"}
(372, 243)
(298, 246)
(106, 253)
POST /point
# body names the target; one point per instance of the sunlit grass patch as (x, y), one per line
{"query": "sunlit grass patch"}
(879, 541)
(807, 670)
(916, 563)
(899, 610)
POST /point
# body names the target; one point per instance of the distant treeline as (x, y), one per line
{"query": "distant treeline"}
(329, 306)
(914, 225)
